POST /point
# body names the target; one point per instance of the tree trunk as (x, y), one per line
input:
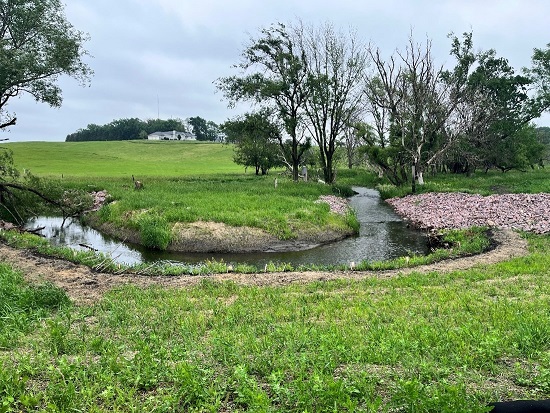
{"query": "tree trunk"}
(295, 158)
(295, 171)
(413, 179)
(328, 172)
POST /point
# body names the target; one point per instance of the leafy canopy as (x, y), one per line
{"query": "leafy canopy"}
(274, 77)
(256, 141)
(37, 45)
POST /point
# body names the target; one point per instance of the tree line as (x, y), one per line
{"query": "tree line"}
(134, 128)
(408, 114)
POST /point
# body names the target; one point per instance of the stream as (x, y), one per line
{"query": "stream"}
(383, 235)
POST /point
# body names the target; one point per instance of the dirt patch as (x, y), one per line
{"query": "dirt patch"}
(86, 286)
(215, 237)
(218, 237)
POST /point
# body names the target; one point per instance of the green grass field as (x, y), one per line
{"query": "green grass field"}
(124, 158)
(420, 343)
(417, 343)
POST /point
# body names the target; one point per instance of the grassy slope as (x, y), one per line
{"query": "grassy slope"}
(123, 158)
(223, 193)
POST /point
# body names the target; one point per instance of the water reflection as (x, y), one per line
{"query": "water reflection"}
(80, 237)
(383, 235)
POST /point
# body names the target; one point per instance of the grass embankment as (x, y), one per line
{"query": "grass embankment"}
(418, 343)
(492, 182)
(183, 182)
(285, 212)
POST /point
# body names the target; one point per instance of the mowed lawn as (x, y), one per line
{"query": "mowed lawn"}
(124, 158)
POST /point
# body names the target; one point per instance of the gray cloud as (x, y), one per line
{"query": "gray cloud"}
(173, 50)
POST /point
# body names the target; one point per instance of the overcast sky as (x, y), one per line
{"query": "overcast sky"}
(162, 56)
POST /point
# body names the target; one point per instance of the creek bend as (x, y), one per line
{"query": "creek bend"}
(383, 235)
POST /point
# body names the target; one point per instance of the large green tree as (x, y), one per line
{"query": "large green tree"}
(543, 137)
(37, 45)
(496, 111)
(473, 115)
(310, 77)
(256, 141)
(204, 130)
(539, 74)
(275, 76)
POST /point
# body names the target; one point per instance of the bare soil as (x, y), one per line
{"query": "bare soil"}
(202, 236)
(86, 286)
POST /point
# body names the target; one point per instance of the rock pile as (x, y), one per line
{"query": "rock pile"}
(99, 197)
(527, 212)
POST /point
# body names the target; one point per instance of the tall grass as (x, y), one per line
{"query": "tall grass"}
(252, 201)
(22, 305)
(492, 182)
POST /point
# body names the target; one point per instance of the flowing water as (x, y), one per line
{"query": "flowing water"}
(383, 235)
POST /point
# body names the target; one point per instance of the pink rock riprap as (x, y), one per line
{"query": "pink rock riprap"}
(527, 212)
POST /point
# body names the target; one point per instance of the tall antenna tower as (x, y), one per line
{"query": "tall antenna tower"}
(158, 108)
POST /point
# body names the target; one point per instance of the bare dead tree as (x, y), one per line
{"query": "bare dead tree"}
(420, 102)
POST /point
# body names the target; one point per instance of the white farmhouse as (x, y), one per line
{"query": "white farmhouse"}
(171, 136)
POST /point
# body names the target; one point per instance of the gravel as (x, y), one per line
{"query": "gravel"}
(527, 212)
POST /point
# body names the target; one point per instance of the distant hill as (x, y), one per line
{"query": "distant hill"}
(114, 159)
